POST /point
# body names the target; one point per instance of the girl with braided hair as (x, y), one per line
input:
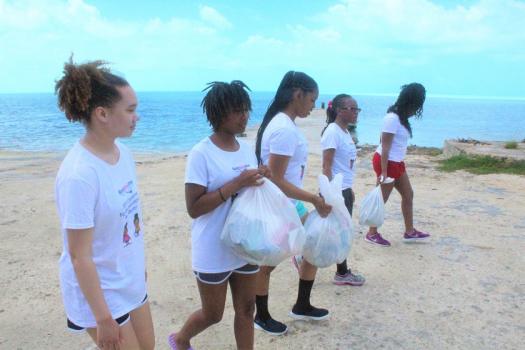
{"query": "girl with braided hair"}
(339, 157)
(388, 160)
(218, 167)
(102, 267)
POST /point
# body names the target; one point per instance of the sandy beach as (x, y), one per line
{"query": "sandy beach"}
(464, 289)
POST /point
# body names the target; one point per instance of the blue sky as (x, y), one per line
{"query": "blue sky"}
(473, 48)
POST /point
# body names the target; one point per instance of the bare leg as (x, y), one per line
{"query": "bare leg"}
(129, 338)
(213, 298)
(242, 287)
(307, 271)
(143, 326)
(386, 190)
(263, 280)
(404, 188)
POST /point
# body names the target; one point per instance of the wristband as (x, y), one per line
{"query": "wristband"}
(222, 196)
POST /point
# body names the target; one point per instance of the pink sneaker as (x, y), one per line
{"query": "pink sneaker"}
(415, 236)
(377, 239)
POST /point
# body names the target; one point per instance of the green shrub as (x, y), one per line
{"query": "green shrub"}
(483, 165)
(511, 145)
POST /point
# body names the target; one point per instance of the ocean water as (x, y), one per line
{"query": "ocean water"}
(174, 122)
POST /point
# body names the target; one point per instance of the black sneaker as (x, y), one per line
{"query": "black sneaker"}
(312, 313)
(270, 326)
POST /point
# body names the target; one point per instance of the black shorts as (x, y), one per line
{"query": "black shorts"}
(122, 320)
(220, 277)
(348, 195)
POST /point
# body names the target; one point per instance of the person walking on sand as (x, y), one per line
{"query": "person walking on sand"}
(218, 167)
(102, 266)
(339, 157)
(283, 148)
(388, 159)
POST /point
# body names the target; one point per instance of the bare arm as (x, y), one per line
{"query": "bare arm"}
(80, 243)
(328, 161)
(199, 201)
(386, 144)
(278, 165)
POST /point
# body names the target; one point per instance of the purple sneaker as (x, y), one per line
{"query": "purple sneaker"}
(348, 278)
(172, 344)
(377, 239)
(415, 236)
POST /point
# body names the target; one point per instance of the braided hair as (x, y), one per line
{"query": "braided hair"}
(222, 99)
(409, 102)
(291, 82)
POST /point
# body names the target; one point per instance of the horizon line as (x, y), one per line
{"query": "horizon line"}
(379, 94)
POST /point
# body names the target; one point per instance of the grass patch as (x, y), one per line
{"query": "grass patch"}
(483, 165)
(511, 145)
(428, 151)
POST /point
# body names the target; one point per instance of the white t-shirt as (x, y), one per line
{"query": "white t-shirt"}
(90, 193)
(212, 167)
(392, 125)
(345, 152)
(283, 137)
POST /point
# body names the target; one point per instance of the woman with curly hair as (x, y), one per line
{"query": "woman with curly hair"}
(102, 267)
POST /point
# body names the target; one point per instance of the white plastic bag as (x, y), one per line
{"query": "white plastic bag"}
(372, 209)
(328, 240)
(263, 226)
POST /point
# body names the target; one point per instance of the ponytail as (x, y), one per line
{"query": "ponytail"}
(283, 97)
(331, 110)
(84, 87)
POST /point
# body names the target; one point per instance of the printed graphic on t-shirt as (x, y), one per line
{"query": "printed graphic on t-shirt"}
(302, 171)
(241, 168)
(127, 188)
(126, 239)
(130, 211)
(136, 223)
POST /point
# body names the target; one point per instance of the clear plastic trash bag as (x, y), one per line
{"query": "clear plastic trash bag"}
(262, 226)
(372, 209)
(328, 240)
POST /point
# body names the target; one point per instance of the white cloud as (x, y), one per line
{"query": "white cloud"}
(214, 17)
(350, 38)
(486, 25)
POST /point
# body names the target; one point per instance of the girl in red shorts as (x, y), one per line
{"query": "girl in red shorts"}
(388, 159)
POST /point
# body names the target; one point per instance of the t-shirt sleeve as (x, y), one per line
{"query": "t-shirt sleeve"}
(283, 142)
(391, 123)
(197, 169)
(77, 200)
(328, 140)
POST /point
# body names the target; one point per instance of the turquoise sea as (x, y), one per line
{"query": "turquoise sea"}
(173, 121)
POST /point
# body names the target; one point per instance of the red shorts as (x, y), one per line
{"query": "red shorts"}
(393, 169)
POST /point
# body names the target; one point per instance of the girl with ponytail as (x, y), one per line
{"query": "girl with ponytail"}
(102, 267)
(389, 158)
(283, 148)
(339, 157)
